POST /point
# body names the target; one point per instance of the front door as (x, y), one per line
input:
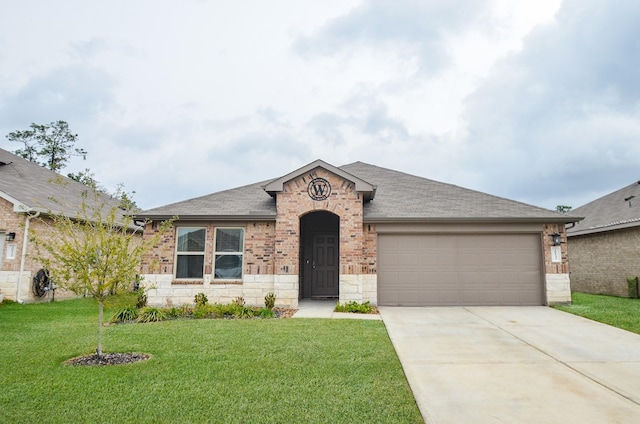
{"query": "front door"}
(324, 265)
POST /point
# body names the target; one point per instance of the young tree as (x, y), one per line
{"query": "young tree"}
(97, 252)
(87, 178)
(52, 143)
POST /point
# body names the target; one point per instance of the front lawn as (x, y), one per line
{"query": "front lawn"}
(616, 311)
(225, 371)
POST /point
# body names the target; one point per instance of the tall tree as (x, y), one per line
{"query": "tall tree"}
(52, 144)
(97, 252)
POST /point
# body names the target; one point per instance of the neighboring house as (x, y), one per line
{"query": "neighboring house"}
(358, 233)
(28, 192)
(605, 246)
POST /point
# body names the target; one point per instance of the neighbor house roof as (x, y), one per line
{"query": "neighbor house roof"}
(33, 188)
(398, 197)
(617, 210)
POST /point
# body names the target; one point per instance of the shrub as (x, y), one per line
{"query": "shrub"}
(266, 313)
(632, 284)
(355, 307)
(239, 301)
(174, 312)
(200, 299)
(244, 312)
(270, 300)
(128, 313)
(202, 310)
(141, 301)
(151, 314)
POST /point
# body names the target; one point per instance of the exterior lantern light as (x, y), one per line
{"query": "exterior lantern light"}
(10, 236)
(556, 239)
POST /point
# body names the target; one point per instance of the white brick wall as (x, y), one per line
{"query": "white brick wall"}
(253, 289)
(558, 288)
(358, 287)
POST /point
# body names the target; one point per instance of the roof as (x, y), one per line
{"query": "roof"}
(399, 197)
(33, 188)
(614, 211)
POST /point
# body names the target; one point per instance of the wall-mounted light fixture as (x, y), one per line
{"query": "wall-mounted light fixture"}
(10, 236)
(557, 239)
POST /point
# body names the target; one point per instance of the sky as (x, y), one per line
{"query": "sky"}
(536, 101)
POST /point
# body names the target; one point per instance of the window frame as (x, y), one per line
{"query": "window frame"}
(188, 253)
(222, 253)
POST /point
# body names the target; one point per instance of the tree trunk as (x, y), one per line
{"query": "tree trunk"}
(100, 314)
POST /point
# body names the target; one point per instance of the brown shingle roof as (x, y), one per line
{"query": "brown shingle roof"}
(31, 187)
(399, 197)
(614, 211)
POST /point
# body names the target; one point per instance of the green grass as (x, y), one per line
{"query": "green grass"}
(616, 311)
(223, 371)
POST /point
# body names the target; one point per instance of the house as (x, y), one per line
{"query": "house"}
(605, 246)
(28, 193)
(361, 233)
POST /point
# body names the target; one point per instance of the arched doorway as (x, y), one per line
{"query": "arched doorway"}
(319, 255)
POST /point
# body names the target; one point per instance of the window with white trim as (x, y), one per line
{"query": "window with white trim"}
(229, 248)
(190, 252)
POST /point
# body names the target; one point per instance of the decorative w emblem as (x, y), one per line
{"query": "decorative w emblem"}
(319, 189)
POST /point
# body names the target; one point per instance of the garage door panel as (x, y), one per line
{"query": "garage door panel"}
(460, 269)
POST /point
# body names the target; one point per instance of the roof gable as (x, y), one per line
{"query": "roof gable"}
(614, 211)
(362, 186)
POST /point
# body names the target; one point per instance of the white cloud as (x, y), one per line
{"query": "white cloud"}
(182, 100)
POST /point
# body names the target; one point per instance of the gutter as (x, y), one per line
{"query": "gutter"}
(383, 219)
(23, 256)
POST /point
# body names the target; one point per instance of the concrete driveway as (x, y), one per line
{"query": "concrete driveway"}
(516, 365)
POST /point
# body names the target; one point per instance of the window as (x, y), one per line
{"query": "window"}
(228, 255)
(190, 252)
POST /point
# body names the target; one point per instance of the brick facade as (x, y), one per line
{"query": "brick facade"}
(13, 222)
(272, 249)
(557, 277)
(294, 202)
(272, 252)
(601, 262)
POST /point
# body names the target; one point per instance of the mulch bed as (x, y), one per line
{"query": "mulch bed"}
(284, 312)
(109, 359)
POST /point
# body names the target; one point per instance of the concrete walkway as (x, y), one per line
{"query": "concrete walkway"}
(516, 365)
(324, 309)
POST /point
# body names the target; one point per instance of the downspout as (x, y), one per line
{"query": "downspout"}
(23, 256)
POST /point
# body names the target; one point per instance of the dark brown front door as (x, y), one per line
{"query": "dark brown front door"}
(324, 265)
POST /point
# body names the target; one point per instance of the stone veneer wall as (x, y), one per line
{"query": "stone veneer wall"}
(601, 262)
(557, 282)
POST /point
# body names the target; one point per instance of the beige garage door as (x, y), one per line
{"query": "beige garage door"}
(459, 269)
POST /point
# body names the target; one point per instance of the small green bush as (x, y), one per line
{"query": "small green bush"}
(266, 313)
(202, 311)
(141, 300)
(128, 313)
(174, 312)
(355, 307)
(270, 300)
(632, 284)
(200, 299)
(151, 314)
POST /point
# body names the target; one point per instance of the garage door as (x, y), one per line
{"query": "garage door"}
(459, 269)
